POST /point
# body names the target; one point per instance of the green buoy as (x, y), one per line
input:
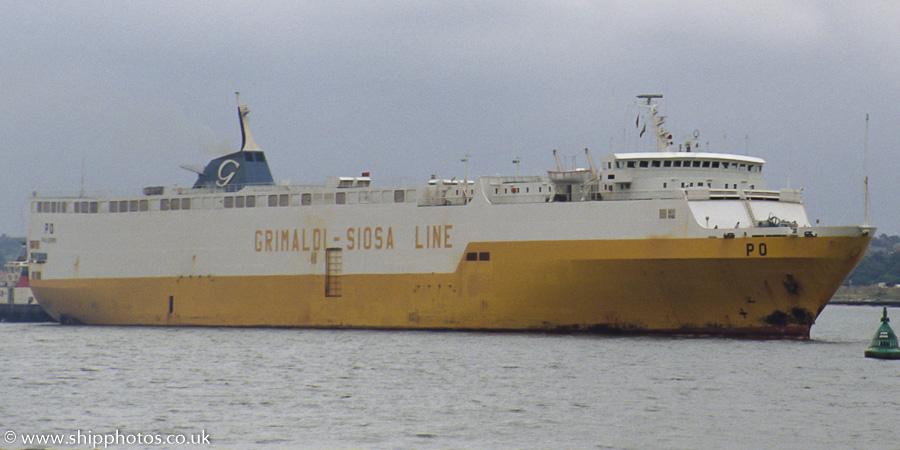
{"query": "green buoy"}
(884, 344)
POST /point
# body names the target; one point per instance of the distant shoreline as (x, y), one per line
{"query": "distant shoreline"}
(866, 296)
(866, 302)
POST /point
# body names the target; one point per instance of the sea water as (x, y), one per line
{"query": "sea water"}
(278, 388)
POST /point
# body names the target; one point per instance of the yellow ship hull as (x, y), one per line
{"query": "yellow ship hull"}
(658, 285)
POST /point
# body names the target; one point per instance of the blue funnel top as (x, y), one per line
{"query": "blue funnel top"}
(233, 172)
(245, 167)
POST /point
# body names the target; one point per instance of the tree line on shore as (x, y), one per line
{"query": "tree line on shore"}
(880, 265)
(9, 247)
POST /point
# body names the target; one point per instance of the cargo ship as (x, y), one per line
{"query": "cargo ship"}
(673, 241)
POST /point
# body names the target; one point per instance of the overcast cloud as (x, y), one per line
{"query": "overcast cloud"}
(404, 89)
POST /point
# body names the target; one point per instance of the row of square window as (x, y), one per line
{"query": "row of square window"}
(689, 164)
(516, 190)
(239, 201)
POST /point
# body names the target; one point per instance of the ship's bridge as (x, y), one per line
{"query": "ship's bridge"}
(622, 173)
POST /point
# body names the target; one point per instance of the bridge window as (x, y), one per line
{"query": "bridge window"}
(667, 163)
(655, 164)
(644, 164)
(676, 163)
(715, 164)
(631, 164)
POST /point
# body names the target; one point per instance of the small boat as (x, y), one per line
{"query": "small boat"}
(884, 344)
(17, 302)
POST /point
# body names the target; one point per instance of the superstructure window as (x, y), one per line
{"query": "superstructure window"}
(251, 201)
(144, 205)
(239, 201)
(306, 199)
(229, 202)
(113, 207)
(175, 204)
(283, 200)
(399, 196)
(340, 198)
(273, 200)
(164, 204)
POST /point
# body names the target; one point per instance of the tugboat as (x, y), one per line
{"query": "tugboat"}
(17, 302)
(884, 344)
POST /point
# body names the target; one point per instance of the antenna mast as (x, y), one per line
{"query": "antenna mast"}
(662, 136)
(866, 175)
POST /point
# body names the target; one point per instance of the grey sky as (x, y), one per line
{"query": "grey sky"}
(404, 89)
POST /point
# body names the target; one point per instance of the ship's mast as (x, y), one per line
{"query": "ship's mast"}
(247, 142)
(662, 136)
(866, 177)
